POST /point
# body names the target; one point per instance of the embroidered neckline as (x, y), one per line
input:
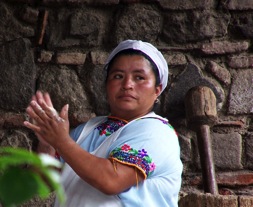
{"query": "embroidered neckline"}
(117, 118)
(111, 125)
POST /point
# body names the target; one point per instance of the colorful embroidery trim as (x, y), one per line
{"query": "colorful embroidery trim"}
(138, 158)
(111, 125)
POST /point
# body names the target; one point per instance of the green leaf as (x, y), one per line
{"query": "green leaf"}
(18, 185)
(17, 156)
(52, 178)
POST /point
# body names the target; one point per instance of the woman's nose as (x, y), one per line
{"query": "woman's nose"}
(127, 83)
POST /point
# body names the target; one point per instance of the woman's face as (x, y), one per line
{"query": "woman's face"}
(130, 87)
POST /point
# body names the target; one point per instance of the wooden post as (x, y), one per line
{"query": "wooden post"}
(43, 20)
(200, 105)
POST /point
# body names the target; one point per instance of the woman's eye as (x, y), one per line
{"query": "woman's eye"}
(117, 76)
(140, 78)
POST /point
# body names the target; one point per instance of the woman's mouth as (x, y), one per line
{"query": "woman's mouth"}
(126, 97)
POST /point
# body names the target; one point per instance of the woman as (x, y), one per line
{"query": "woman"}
(129, 158)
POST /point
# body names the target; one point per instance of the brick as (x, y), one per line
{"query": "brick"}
(224, 47)
(221, 73)
(240, 61)
(237, 178)
(245, 201)
(221, 201)
(208, 200)
(239, 123)
(99, 58)
(186, 4)
(45, 56)
(192, 200)
(71, 58)
(175, 59)
(238, 4)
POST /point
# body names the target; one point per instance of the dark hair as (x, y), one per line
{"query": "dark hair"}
(135, 52)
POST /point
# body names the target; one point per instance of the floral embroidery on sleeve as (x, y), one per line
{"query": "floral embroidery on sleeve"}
(137, 158)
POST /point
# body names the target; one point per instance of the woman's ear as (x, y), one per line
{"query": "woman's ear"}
(158, 90)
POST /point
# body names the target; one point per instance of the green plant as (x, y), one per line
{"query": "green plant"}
(24, 175)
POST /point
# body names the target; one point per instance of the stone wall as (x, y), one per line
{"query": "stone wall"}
(60, 46)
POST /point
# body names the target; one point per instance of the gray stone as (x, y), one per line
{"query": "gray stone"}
(39, 202)
(64, 87)
(56, 27)
(16, 138)
(248, 150)
(227, 150)
(86, 28)
(29, 15)
(10, 28)
(85, 25)
(18, 73)
(242, 24)
(241, 95)
(186, 4)
(137, 22)
(93, 79)
(189, 78)
(194, 26)
(185, 146)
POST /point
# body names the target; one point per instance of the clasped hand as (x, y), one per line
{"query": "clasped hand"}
(50, 127)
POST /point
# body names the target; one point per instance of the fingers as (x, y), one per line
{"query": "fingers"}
(44, 97)
(36, 113)
(45, 113)
(48, 100)
(64, 112)
(52, 113)
(41, 110)
(44, 101)
(31, 126)
(33, 120)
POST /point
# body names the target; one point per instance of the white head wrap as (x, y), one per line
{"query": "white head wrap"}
(150, 51)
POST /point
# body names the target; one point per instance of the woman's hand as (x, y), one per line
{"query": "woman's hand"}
(50, 127)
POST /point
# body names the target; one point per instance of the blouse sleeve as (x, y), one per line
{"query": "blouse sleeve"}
(150, 145)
